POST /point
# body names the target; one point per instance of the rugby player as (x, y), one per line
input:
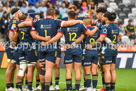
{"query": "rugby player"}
(71, 34)
(12, 61)
(45, 27)
(109, 52)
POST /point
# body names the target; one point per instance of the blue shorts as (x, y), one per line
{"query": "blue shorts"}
(108, 56)
(50, 56)
(59, 52)
(73, 55)
(29, 55)
(16, 55)
(91, 56)
(9, 52)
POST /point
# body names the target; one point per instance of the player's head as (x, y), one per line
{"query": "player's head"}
(16, 12)
(22, 17)
(71, 15)
(109, 16)
(72, 8)
(31, 14)
(89, 13)
(100, 12)
(57, 13)
(130, 21)
(87, 21)
(50, 12)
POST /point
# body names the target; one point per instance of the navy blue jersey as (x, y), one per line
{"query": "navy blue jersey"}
(78, 18)
(11, 25)
(47, 27)
(73, 32)
(24, 34)
(111, 31)
(99, 24)
(92, 39)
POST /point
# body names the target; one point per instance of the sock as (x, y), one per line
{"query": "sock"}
(30, 85)
(37, 82)
(107, 86)
(16, 85)
(20, 85)
(50, 83)
(57, 81)
(103, 82)
(12, 85)
(43, 86)
(77, 85)
(88, 80)
(8, 85)
(84, 82)
(69, 84)
(47, 85)
(26, 83)
(95, 79)
(112, 86)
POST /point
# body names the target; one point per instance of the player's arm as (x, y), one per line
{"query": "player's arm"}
(79, 40)
(37, 37)
(25, 23)
(70, 23)
(54, 39)
(91, 33)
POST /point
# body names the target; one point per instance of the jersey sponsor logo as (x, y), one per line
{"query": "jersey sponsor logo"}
(114, 31)
(67, 61)
(73, 29)
(87, 63)
(46, 26)
(109, 61)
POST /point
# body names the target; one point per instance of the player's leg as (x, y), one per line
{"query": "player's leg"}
(113, 77)
(30, 74)
(41, 58)
(77, 59)
(107, 76)
(94, 76)
(87, 70)
(10, 69)
(94, 69)
(69, 75)
(102, 73)
(50, 62)
(113, 72)
(57, 72)
(22, 69)
(9, 74)
(69, 65)
(48, 75)
(37, 76)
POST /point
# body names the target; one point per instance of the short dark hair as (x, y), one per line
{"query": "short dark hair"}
(50, 12)
(57, 12)
(110, 15)
(14, 10)
(22, 17)
(72, 14)
(102, 10)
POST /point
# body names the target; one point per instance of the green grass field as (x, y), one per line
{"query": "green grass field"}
(126, 80)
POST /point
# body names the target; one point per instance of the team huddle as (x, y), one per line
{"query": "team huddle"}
(36, 43)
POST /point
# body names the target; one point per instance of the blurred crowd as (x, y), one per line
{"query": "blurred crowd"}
(40, 7)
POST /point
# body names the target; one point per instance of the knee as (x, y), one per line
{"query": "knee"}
(57, 66)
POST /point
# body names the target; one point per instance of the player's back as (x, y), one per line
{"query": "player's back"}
(72, 33)
(92, 39)
(113, 32)
(47, 27)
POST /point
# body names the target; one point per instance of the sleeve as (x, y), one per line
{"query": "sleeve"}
(62, 31)
(13, 26)
(103, 31)
(35, 23)
(84, 28)
(32, 29)
(59, 23)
